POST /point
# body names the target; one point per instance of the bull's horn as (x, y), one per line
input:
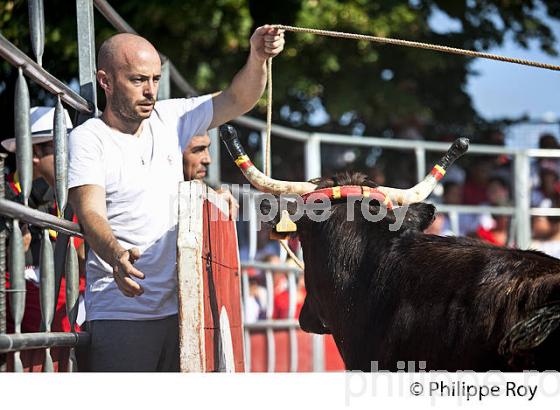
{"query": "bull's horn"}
(256, 177)
(421, 191)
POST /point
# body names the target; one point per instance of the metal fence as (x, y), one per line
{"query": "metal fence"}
(269, 324)
(62, 260)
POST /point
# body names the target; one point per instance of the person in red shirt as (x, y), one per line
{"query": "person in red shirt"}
(282, 301)
(495, 228)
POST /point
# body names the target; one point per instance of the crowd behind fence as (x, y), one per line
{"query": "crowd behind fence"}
(61, 260)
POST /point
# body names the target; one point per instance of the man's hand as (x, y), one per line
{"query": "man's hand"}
(232, 202)
(123, 271)
(267, 42)
(88, 201)
(248, 84)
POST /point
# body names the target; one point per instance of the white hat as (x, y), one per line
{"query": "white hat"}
(42, 119)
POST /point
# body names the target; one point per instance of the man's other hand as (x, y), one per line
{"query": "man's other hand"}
(124, 271)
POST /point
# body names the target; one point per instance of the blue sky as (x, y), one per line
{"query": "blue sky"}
(504, 89)
(511, 90)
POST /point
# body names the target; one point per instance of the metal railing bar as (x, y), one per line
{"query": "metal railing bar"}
(72, 276)
(113, 17)
(476, 209)
(420, 154)
(273, 324)
(318, 352)
(22, 131)
(292, 290)
(270, 342)
(246, 337)
(270, 266)
(86, 55)
(279, 130)
(47, 283)
(17, 211)
(522, 187)
(37, 28)
(60, 157)
(180, 81)
(410, 145)
(252, 211)
(42, 77)
(543, 153)
(27, 341)
(3, 306)
(545, 211)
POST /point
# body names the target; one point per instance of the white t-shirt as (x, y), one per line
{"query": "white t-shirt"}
(140, 176)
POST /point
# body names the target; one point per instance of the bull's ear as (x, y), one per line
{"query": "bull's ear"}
(419, 216)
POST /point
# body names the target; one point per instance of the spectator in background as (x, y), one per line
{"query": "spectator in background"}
(279, 278)
(41, 198)
(548, 189)
(476, 184)
(475, 191)
(549, 141)
(266, 247)
(547, 195)
(547, 235)
(282, 300)
(255, 302)
(501, 165)
(196, 160)
(438, 226)
(411, 128)
(378, 175)
(545, 172)
(453, 195)
(495, 228)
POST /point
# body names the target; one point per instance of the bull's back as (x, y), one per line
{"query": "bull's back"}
(449, 302)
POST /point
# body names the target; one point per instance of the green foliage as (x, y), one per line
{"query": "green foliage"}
(376, 89)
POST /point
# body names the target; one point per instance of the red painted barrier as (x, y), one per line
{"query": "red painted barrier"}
(210, 326)
(259, 350)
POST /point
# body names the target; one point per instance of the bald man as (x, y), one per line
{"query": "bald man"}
(124, 170)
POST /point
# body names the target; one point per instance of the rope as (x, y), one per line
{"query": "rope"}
(416, 44)
(268, 117)
(291, 254)
(266, 165)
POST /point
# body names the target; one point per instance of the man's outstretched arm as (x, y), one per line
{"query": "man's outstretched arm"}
(248, 84)
(88, 201)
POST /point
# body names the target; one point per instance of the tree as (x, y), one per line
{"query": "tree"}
(363, 87)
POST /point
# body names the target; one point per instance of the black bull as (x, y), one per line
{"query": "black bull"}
(445, 303)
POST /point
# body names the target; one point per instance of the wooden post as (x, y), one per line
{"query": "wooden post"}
(210, 327)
